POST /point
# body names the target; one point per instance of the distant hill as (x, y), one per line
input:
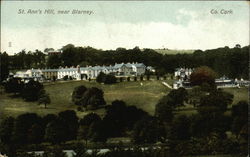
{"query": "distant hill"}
(170, 51)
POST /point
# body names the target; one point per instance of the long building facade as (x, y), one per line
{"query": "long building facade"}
(80, 73)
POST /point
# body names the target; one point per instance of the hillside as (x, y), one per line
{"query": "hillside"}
(172, 51)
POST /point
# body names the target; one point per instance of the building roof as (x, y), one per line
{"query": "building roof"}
(50, 70)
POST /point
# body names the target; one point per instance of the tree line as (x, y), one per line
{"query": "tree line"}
(232, 62)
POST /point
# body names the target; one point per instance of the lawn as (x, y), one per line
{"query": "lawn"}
(172, 51)
(239, 94)
(143, 95)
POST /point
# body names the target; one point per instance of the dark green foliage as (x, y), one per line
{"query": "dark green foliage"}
(43, 98)
(240, 116)
(80, 151)
(93, 98)
(14, 85)
(180, 128)
(121, 79)
(78, 94)
(56, 151)
(135, 78)
(215, 102)
(66, 77)
(178, 96)
(90, 98)
(101, 77)
(31, 90)
(36, 134)
(89, 119)
(141, 78)
(55, 132)
(54, 61)
(148, 130)
(69, 120)
(106, 78)
(22, 126)
(6, 130)
(240, 109)
(4, 66)
(110, 79)
(117, 115)
(164, 109)
(203, 124)
(99, 131)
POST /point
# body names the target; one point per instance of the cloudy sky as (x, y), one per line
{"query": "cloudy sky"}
(159, 24)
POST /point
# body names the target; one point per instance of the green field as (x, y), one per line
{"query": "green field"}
(170, 51)
(133, 93)
(143, 96)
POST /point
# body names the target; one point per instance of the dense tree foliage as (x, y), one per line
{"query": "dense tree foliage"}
(202, 75)
(77, 94)
(106, 78)
(164, 109)
(44, 98)
(4, 66)
(89, 98)
(31, 90)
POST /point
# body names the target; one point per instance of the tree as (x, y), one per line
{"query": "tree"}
(31, 90)
(178, 96)
(6, 130)
(36, 134)
(148, 130)
(54, 61)
(69, 120)
(89, 119)
(55, 132)
(66, 77)
(215, 102)
(203, 74)
(78, 94)
(44, 98)
(181, 128)
(4, 66)
(116, 114)
(110, 79)
(80, 151)
(92, 98)
(22, 126)
(99, 131)
(14, 85)
(240, 116)
(101, 77)
(164, 109)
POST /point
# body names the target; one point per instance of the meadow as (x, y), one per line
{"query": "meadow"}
(173, 51)
(144, 96)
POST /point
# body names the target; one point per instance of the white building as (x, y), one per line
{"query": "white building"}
(122, 69)
(181, 73)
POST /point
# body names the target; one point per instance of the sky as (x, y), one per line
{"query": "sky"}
(113, 24)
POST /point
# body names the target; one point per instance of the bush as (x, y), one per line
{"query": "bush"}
(65, 77)
(110, 79)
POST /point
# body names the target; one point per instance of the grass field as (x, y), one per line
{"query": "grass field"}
(133, 93)
(170, 51)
